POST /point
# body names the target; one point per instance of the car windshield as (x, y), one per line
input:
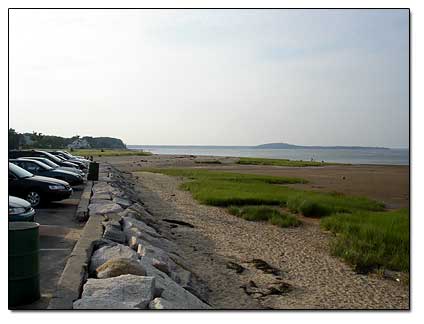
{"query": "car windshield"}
(43, 165)
(52, 157)
(63, 156)
(19, 172)
(45, 161)
(66, 154)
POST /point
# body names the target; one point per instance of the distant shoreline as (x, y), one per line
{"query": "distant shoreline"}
(264, 146)
(350, 156)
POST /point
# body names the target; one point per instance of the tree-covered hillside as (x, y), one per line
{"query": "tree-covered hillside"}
(42, 141)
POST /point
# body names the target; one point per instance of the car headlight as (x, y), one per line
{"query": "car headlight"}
(16, 210)
(56, 187)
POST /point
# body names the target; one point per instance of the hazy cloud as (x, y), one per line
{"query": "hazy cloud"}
(225, 77)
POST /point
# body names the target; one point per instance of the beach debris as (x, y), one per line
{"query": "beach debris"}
(235, 266)
(265, 267)
(276, 288)
(250, 288)
(392, 275)
(178, 222)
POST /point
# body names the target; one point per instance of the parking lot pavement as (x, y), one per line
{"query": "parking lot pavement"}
(58, 234)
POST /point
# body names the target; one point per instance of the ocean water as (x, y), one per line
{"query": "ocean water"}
(354, 156)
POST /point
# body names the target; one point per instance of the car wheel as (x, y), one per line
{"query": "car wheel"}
(33, 198)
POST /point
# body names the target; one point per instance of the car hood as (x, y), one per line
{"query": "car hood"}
(65, 172)
(51, 181)
(68, 169)
(18, 202)
(69, 164)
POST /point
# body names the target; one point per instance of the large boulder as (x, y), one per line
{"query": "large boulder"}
(124, 203)
(114, 233)
(136, 214)
(147, 250)
(119, 266)
(142, 213)
(161, 242)
(134, 291)
(104, 207)
(178, 272)
(172, 292)
(108, 252)
(101, 187)
(136, 225)
(158, 258)
(100, 196)
(104, 303)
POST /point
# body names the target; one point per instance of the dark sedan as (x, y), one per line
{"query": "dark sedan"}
(69, 155)
(14, 154)
(20, 210)
(41, 169)
(36, 189)
(81, 164)
(53, 165)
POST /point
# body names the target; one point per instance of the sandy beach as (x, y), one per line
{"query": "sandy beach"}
(247, 265)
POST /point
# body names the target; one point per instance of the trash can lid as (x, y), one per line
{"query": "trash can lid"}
(20, 226)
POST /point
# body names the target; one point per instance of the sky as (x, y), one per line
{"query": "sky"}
(212, 77)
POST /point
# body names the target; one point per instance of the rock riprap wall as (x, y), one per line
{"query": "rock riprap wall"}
(133, 266)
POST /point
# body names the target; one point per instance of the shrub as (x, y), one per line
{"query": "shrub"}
(310, 208)
(284, 220)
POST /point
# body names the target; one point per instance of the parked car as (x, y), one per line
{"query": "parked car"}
(54, 165)
(41, 169)
(81, 163)
(69, 155)
(36, 189)
(14, 154)
(20, 210)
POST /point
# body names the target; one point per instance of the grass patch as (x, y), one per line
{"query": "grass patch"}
(371, 240)
(207, 175)
(227, 189)
(264, 213)
(281, 162)
(109, 152)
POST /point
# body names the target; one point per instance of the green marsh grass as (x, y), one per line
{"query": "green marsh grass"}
(225, 189)
(264, 213)
(371, 240)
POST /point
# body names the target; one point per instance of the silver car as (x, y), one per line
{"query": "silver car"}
(20, 210)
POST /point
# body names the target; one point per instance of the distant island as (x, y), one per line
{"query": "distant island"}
(292, 146)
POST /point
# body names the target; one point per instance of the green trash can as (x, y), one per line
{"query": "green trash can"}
(93, 171)
(24, 264)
